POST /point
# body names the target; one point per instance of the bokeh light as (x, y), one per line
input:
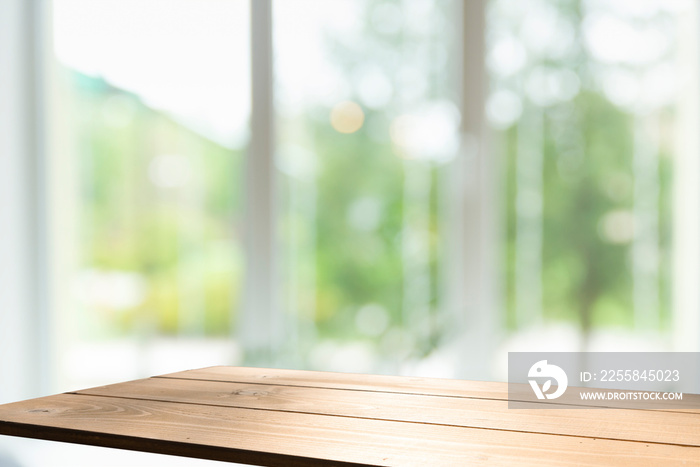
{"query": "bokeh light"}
(347, 117)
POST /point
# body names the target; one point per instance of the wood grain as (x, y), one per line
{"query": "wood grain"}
(633, 425)
(408, 385)
(323, 379)
(282, 438)
(294, 418)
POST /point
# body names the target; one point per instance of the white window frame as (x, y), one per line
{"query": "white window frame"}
(25, 314)
(260, 330)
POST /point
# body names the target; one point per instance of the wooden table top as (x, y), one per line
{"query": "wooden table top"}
(287, 417)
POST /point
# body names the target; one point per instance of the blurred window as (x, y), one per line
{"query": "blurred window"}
(586, 105)
(376, 207)
(367, 124)
(154, 97)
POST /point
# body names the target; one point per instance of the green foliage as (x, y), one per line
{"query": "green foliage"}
(185, 245)
(180, 241)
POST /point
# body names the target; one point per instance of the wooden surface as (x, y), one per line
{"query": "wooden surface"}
(286, 417)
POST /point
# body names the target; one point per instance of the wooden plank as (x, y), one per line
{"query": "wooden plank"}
(281, 438)
(637, 425)
(323, 379)
(406, 385)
